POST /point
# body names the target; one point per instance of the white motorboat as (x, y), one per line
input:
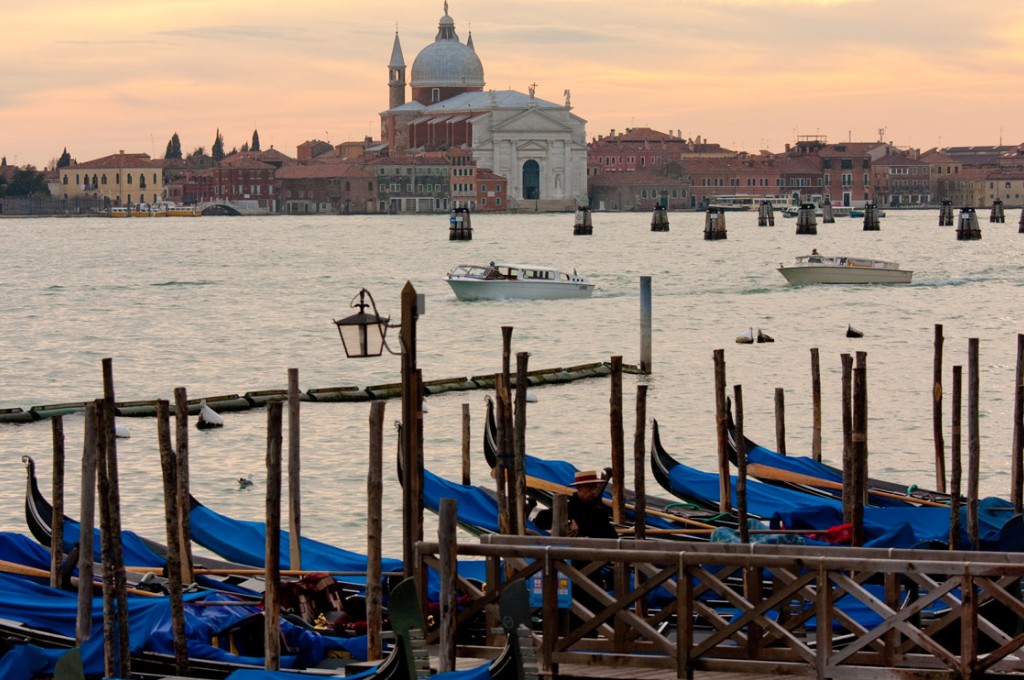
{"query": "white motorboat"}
(501, 281)
(815, 268)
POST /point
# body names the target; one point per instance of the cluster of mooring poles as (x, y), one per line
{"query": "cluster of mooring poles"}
(714, 224)
(460, 226)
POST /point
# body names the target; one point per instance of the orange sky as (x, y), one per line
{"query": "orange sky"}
(105, 75)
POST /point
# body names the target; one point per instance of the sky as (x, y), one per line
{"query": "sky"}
(101, 76)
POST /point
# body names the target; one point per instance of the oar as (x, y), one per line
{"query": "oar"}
(768, 472)
(551, 487)
(23, 570)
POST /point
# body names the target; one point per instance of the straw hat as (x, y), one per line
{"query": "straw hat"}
(586, 477)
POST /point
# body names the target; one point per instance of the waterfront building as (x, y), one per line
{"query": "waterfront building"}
(412, 184)
(945, 182)
(900, 180)
(121, 179)
(795, 178)
(537, 145)
(845, 167)
(329, 187)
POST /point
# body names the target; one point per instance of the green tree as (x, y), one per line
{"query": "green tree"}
(27, 181)
(245, 147)
(173, 147)
(255, 146)
(218, 147)
(65, 159)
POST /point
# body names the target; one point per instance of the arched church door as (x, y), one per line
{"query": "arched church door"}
(531, 180)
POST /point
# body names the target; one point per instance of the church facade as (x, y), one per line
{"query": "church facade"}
(538, 146)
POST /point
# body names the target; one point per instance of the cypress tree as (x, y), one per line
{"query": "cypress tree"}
(218, 148)
(255, 141)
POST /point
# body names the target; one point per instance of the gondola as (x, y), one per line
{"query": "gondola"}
(544, 478)
(895, 527)
(801, 473)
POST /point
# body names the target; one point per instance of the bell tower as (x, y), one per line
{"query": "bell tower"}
(396, 75)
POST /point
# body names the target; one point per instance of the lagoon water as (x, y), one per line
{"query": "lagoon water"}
(228, 305)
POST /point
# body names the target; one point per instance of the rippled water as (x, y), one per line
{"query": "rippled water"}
(228, 305)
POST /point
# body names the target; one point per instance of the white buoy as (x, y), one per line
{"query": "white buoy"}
(208, 418)
(121, 431)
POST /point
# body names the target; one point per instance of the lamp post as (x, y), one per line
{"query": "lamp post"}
(363, 335)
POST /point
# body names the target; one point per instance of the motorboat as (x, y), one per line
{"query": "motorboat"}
(502, 281)
(815, 268)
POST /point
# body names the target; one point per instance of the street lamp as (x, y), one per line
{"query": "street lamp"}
(363, 334)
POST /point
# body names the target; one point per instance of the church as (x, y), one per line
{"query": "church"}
(538, 146)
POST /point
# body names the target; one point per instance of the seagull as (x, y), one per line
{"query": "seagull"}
(764, 337)
(245, 482)
(852, 332)
(121, 431)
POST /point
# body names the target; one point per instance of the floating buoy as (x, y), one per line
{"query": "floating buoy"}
(746, 338)
(208, 418)
(852, 332)
(121, 431)
(764, 337)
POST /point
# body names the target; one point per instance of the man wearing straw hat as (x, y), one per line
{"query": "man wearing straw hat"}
(589, 517)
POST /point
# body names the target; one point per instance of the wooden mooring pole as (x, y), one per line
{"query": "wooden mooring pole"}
(848, 473)
(725, 494)
(519, 442)
(973, 441)
(815, 405)
(272, 562)
(956, 471)
(448, 549)
(1017, 454)
(294, 474)
(940, 444)
(117, 657)
(183, 483)
(806, 223)
(618, 445)
(57, 522)
(741, 466)
(645, 325)
(466, 447)
(86, 557)
(640, 464)
(780, 420)
(374, 533)
(169, 469)
(946, 213)
(860, 446)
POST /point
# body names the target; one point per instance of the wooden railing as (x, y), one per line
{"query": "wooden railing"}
(821, 612)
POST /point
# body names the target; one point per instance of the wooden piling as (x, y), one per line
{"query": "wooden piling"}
(1017, 454)
(111, 502)
(659, 218)
(714, 225)
(973, 441)
(860, 446)
(815, 405)
(940, 444)
(447, 549)
(946, 213)
(725, 494)
(806, 223)
(741, 466)
(183, 483)
(294, 473)
(618, 445)
(997, 215)
(645, 325)
(967, 228)
(460, 226)
(272, 562)
(86, 519)
(765, 215)
(466, 447)
(780, 420)
(412, 416)
(827, 214)
(1020, 224)
(519, 443)
(374, 533)
(57, 521)
(639, 464)
(169, 468)
(501, 472)
(956, 471)
(871, 222)
(848, 473)
(583, 226)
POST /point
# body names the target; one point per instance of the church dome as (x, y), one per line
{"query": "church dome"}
(447, 62)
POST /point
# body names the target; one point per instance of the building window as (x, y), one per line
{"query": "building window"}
(483, 187)
(65, 180)
(483, 201)
(129, 178)
(846, 164)
(435, 95)
(497, 201)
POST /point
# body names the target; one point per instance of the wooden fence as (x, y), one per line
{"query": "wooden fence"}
(756, 608)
